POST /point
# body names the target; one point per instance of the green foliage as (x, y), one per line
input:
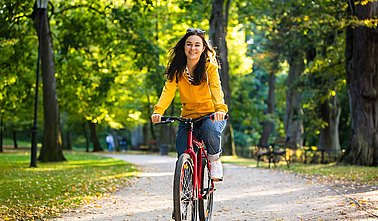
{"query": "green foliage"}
(43, 192)
(324, 79)
(103, 62)
(110, 59)
(17, 72)
(279, 30)
(247, 107)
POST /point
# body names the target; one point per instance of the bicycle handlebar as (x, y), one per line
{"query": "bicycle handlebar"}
(171, 119)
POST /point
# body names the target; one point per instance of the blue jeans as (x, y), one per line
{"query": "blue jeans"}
(207, 130)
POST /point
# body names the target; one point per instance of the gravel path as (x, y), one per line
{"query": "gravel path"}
(246, 194)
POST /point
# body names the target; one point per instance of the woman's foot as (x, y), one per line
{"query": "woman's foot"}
(216, 171)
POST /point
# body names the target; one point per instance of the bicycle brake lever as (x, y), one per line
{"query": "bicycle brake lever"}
(165, 120)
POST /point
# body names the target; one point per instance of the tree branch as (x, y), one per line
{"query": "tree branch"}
(79, 6)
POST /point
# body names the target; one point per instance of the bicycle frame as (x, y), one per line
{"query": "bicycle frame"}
(197, 161)
(200, 191)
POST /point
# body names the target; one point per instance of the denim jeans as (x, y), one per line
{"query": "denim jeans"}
(207, 130)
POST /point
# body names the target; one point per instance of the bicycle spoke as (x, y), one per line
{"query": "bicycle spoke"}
(184, 196)
(206, 203)
(187, 194)
(187, 211)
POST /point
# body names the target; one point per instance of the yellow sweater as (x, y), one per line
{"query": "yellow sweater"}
(196, 100)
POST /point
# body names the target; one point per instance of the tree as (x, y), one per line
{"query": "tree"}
(362, 75)
(268, 124)
(294, 112)
(51, 148)
(217, 36)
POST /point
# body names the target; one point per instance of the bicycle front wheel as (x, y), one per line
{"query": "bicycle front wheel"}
(184, 194)
(206, 203)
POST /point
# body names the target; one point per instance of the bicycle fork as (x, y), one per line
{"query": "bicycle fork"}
(192, 154)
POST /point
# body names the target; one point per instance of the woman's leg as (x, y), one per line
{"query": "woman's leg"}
(181, 139)
(211, 133)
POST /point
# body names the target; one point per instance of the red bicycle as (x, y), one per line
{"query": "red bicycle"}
(192, 185)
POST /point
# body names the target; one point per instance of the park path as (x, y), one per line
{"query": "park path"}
(246, 194)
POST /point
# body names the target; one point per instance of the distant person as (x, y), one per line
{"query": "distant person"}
(123, 144)
(110, 142)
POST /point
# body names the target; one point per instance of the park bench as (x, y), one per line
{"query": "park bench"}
(150, 146)
(153, 145)
(273, 152)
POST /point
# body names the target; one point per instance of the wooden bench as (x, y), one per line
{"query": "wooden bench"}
(273, 152)
(153, 145)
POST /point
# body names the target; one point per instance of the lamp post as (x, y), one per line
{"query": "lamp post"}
(41, 12)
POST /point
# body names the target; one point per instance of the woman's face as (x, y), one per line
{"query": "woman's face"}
(194, 47)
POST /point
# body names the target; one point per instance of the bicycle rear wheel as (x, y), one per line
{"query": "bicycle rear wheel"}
(184, 194)
(205, 205)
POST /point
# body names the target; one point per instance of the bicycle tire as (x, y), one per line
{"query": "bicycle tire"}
(185, 201)
(205, 205)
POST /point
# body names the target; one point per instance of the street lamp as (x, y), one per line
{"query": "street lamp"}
(41, 12)
(42, 4)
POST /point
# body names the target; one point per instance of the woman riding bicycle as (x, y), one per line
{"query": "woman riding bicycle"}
(193, 69)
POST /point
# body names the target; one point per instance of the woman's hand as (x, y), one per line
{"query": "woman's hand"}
(156, 118)
(219, 116)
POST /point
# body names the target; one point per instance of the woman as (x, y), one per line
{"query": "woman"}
(193, 70)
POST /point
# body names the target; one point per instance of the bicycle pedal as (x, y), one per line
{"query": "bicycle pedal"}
(207, 189)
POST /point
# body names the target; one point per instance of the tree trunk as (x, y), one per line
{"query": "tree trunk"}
(1, 134)
(329, 136)
(64, 131)
(362, 79)
(96, 144)
(51, 149)
(294, 112)
(86, 137)
(268, 125)
(15, 144)
(232, 137)
(217, 37)
(67, 141)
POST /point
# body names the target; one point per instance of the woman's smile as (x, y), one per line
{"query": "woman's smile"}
(193, 47)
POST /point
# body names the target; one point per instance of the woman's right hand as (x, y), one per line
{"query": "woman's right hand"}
(156, 118)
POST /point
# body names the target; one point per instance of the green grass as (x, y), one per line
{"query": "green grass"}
(43, 192)
(358, 174)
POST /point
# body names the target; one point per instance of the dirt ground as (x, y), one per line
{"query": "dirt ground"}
(245, 194)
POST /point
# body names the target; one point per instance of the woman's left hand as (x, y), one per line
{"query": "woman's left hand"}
(219, 116)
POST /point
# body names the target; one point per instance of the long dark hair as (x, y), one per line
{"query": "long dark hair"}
(177, 62)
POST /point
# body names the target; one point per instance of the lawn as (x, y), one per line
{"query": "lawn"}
(44, 192)
(332, 171)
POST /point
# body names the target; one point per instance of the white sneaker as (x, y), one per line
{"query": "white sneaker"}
(216, 171)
